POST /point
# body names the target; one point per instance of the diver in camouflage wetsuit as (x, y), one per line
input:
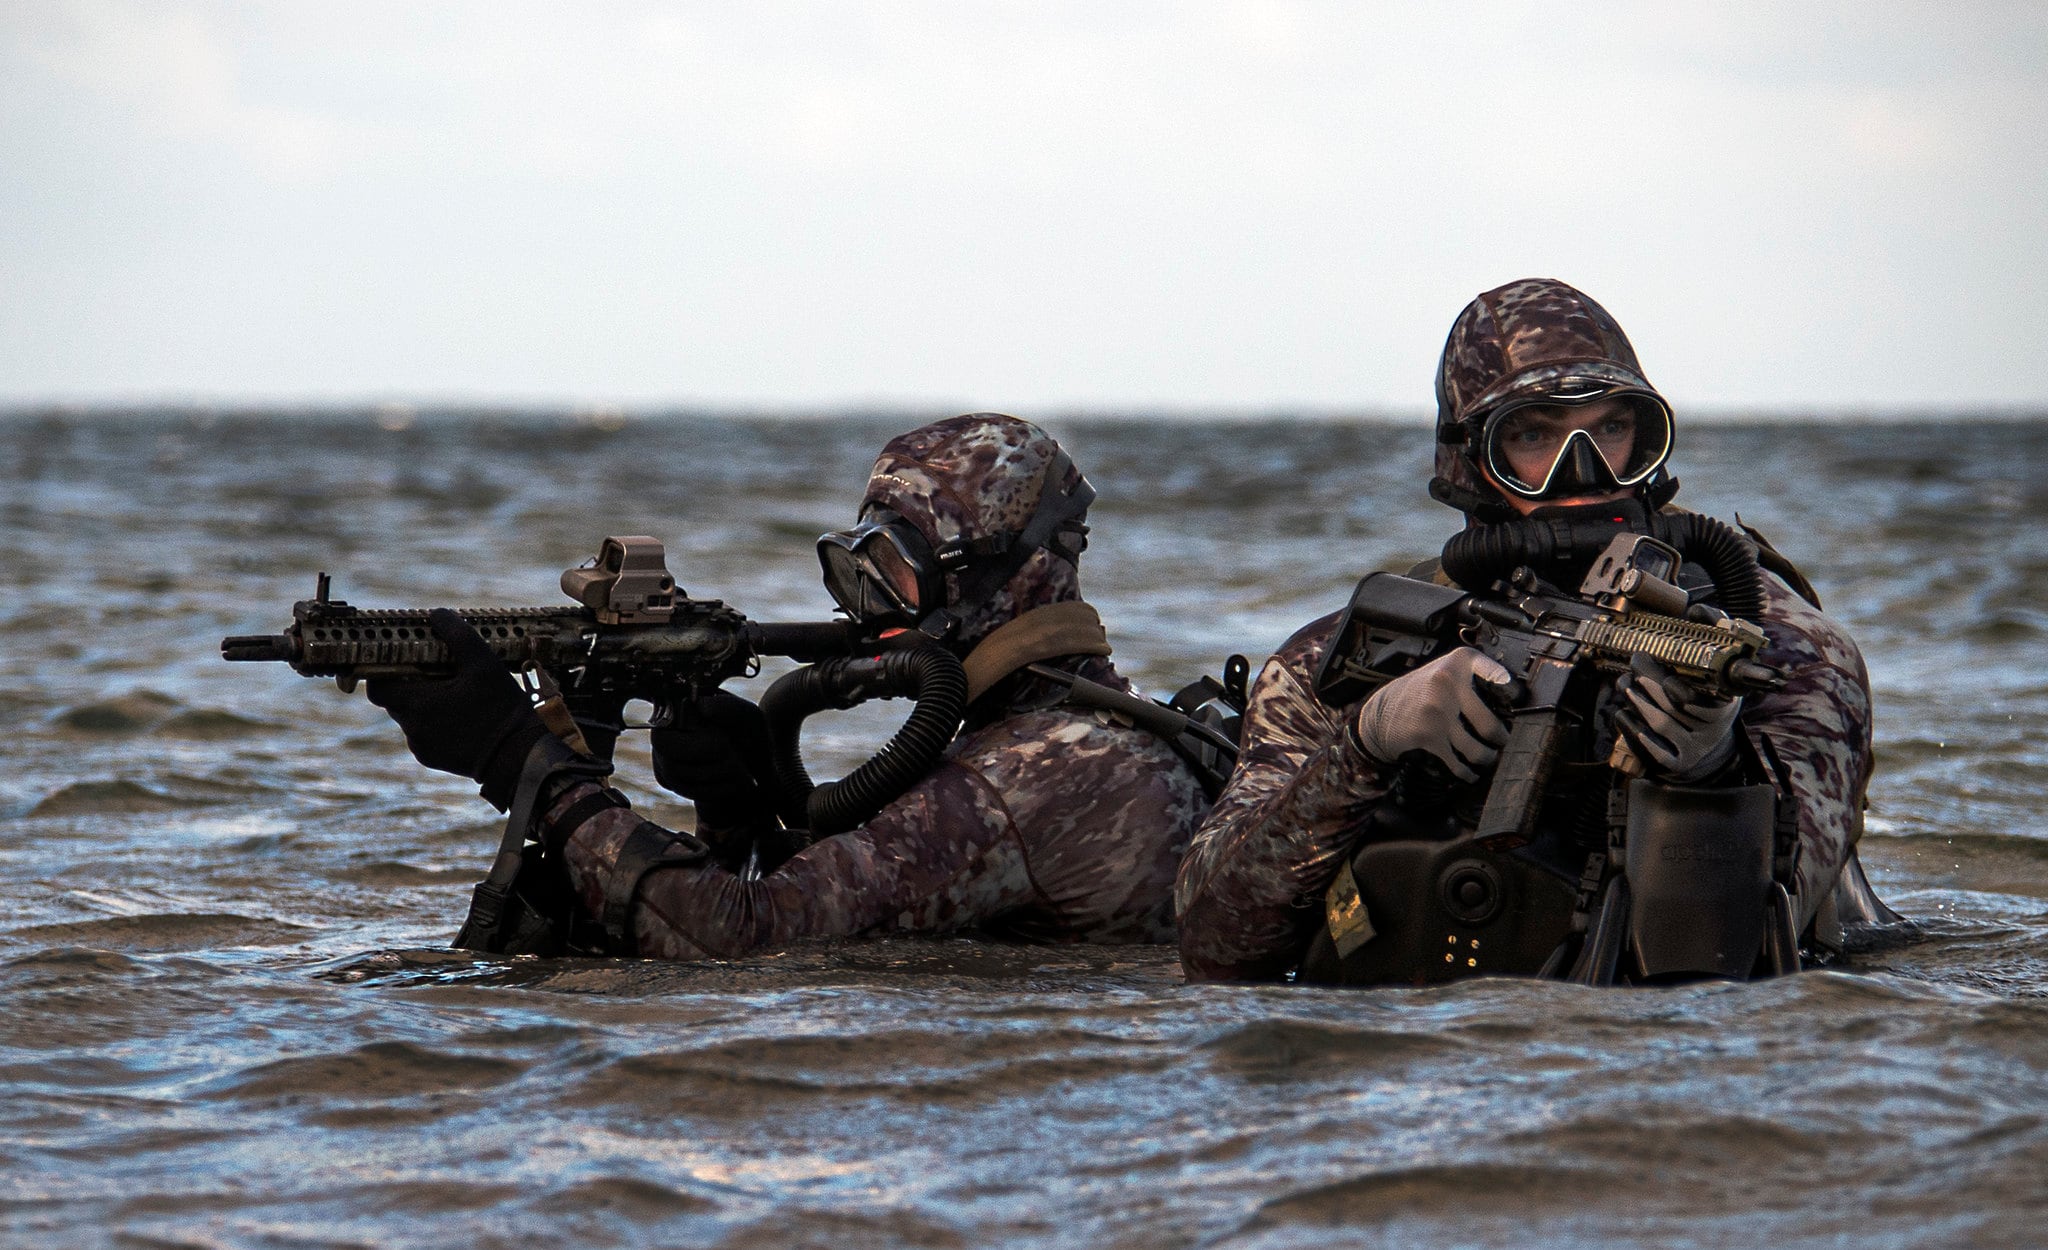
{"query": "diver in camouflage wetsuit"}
(1041, 823)
(1252, 891)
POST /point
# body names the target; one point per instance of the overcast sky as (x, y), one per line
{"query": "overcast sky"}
(1031, 207)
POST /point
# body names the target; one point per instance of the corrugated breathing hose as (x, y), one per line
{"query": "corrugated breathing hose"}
(1481, 555)
(929, 674)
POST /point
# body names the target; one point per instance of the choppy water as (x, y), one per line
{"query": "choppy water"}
(225, 1019)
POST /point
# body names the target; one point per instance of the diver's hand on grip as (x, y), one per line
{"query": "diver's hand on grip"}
(1442, 709)
(716, 752)
(1682, 733)
(477, 723)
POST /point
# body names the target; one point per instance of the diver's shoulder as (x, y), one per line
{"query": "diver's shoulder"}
(1304, 648)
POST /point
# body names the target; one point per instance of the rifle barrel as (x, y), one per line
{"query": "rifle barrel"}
(274, 648)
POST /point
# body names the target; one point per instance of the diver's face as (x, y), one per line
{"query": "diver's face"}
(1531, 438)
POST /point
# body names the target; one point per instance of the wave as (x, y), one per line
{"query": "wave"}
(128, 714)
(378, 1070)
(114, 797)
(737, 1076)
(173, 931)
(1279, 1048)
(212, 725)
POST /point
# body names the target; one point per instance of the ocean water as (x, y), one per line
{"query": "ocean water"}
(228, 1016)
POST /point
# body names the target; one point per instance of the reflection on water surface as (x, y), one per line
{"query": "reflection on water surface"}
(230, 1020)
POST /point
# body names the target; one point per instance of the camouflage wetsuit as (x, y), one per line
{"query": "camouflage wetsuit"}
(1251, 891)
(1042, 823)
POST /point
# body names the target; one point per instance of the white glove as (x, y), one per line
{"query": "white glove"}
(1682, 733)
(1438, 708)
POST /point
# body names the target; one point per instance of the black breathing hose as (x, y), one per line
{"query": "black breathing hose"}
(930, 675)
(1724, 552)
(1481, 555)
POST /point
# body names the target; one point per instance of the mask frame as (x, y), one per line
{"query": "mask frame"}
(1589, 469)
(881, 569)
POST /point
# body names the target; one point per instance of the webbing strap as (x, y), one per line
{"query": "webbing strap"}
(1057, 507)
(487, 902)
(559, 831)
(647, 848)
(1044, 633)
(1770, 558)
(548, 758)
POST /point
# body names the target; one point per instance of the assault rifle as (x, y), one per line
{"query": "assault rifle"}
(634, 635)
(1629, 605)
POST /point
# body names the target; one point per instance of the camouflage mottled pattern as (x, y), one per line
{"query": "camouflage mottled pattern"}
(1045, 826)
(1041, 824)
(1514, 342)
(1250, 893)
(1820, 727)
(969, 477)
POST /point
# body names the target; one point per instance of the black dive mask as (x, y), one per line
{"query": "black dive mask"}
(882, 570)
(1539, 448)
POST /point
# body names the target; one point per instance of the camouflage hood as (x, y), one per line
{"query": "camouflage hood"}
(980, 476)
(1513, 343)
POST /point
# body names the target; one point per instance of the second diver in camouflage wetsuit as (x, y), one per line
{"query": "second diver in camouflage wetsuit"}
(1546, 376)
(1040, 823)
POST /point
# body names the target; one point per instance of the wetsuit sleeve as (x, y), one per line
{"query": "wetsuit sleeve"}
(1820, 727)
(1249, 894)
(944, 856)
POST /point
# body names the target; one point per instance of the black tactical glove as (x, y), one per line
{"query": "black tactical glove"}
(477, 723)
(716, 753)
(1680, 732)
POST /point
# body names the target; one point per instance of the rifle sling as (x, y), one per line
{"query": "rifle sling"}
(548, 759)
(487, 902)
(1157, 718)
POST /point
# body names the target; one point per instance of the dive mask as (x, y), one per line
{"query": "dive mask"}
(882, 568)
(1539, 448)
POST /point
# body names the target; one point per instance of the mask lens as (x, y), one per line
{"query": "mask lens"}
(842, 576)
(884, 557)
(1651, 444)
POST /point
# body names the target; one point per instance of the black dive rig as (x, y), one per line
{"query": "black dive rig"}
(1570, 864)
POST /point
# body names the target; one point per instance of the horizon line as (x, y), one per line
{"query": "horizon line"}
(399, 414)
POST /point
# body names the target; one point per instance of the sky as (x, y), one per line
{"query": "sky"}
(1099, 206)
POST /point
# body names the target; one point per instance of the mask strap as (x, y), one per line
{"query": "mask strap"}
(1057, 509)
